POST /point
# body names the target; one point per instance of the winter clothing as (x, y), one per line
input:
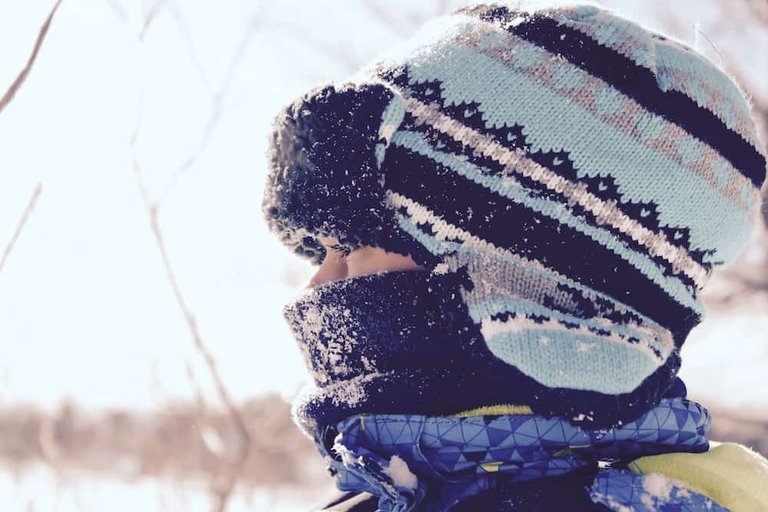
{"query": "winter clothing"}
(734, 476)
(504, 147)
(383, 454)
(526, 462)
(568, 180)
(403, 342)
(728, 475)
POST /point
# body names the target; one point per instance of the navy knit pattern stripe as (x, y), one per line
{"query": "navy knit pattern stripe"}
(632, 80)
(575, 177)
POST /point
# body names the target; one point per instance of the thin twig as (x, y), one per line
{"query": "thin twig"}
(186, 34)
(223, 494)
(152, 13)
(189, 316)
(224, 487)
(24, 73)
(337, 52)
(217, 108)
(384, 16)
(118, 10)
(22, 221)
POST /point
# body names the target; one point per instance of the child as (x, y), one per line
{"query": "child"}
(514, 214)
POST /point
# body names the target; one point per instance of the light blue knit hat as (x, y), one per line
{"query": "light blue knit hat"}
(584, 173)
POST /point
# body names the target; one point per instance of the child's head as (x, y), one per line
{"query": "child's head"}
(588, 98)
(582, 173)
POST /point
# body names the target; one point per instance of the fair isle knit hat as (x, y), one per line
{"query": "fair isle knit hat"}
(583, 173)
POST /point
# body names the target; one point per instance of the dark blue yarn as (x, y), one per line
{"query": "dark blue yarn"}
(634, 81)
(533, 235)
(324, 176)
(603, 187)
(414, 328)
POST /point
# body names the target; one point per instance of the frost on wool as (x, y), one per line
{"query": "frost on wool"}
(353, 391)
(329, 333)
(324, 177)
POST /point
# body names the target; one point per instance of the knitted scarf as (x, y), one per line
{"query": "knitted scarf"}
(395, 358)
(403, 342)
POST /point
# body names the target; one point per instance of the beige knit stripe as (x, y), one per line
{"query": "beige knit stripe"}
(443, 230)
(744, 126)
(662, 338)
(527, 285)
(490, 328)
(605, 212)
(682, 79)
(625, 118)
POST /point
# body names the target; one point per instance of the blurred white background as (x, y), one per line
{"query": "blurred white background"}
(137, 147)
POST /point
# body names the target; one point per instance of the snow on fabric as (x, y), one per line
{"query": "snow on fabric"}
(379, 453)
(486, 148)
(625, 491)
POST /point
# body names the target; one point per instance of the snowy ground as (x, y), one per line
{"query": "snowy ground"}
(40, 489)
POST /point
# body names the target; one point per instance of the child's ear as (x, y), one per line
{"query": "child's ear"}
(325, 156)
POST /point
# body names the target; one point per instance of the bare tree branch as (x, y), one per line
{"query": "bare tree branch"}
(224, 486)
(415, 19)
(118, 10)
(384, 16)
(22, 221)
(150, 17)
(224, 489)
(217, 104)
(22, 76)
(335, 52)
(186, 34)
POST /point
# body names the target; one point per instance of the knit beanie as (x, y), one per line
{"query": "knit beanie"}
(583, 174)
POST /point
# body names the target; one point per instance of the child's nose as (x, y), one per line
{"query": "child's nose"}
(334, 267)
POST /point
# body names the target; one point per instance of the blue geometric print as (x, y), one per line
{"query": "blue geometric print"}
(623, 490)
(375, 453)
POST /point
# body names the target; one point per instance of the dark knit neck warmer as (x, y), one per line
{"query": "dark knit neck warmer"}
(403, 342)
